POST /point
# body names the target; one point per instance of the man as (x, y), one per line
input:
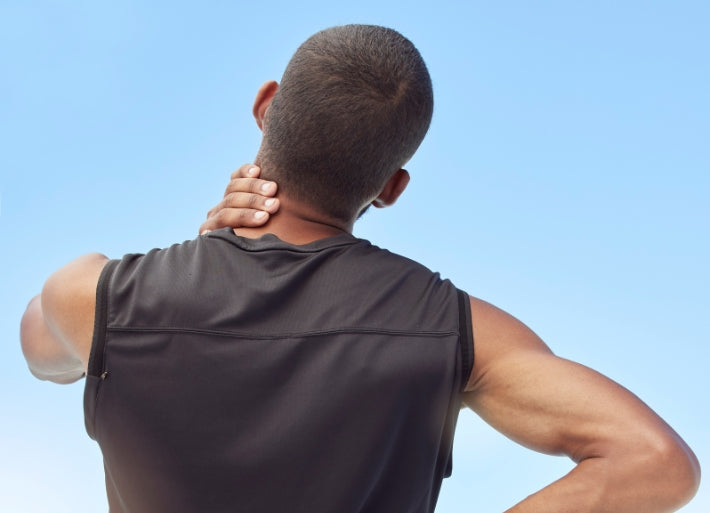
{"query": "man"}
(290, 365)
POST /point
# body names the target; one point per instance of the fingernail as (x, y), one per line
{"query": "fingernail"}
(253, 171)
(205, 232)
(260, 215)
(269, 202)
(267, 186)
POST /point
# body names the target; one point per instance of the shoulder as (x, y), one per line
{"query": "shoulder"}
(499, 338)
(362, 248)
(72, 284)
(161, 260)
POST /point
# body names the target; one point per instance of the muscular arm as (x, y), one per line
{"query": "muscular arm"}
(628, 459)
(57, 327)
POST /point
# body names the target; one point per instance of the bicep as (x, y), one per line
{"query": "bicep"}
(545, 402)
(560, 407)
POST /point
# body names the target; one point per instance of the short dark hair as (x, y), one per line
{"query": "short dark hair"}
(353, 105)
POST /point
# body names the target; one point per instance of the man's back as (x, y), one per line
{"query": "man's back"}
(271, 375)
(353, 106)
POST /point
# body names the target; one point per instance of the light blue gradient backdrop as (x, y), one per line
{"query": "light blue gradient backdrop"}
(564, 178)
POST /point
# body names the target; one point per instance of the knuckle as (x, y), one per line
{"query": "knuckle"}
(255, 185)
(232, 186)
(233, 200)
(241, 200)
(239, 185)
(242, 171)
(246, 218)
(219, 216)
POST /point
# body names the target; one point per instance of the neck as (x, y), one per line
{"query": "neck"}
(298, 224)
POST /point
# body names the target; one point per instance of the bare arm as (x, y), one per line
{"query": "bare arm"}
(628, 459)
(57, 327)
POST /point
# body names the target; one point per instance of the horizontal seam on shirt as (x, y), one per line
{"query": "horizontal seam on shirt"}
(317, 333)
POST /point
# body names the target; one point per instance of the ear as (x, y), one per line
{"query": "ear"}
(392, 189)
(263, 99)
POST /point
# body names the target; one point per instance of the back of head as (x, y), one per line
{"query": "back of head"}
(352, 107)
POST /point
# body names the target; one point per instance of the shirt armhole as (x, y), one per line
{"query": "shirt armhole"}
(465, 338)
(96, 356)
(100, 320)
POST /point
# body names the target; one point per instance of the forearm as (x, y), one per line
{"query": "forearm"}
(47, 357)
(661, 481)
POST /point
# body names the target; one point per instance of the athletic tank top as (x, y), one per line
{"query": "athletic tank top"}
(251, 375)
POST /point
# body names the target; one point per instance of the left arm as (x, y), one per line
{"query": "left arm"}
(628, 459)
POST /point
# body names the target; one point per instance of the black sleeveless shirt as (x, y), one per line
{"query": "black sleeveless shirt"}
(252, 375)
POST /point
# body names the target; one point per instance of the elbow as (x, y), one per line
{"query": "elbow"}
(45, 359)
(31, 329)
(687, 473)
(28, 329)
(677, 468)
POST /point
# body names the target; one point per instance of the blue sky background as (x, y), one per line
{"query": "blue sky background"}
(564, 179)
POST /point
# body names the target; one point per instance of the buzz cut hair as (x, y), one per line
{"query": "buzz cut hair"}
(353, 105)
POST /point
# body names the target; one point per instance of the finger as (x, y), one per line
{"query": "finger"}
(246, 200)
(251, 185)
(246, 171)
(234, 218)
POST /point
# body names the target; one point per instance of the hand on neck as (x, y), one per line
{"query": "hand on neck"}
(297, 223)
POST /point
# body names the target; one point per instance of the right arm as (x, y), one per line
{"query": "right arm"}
(248, 201)
(628, 459)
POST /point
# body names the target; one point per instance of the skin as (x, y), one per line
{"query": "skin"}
(628, 459)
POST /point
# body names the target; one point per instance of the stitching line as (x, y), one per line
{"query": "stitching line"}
(259, 336)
